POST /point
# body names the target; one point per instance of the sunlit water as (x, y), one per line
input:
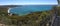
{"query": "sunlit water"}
(26, 9)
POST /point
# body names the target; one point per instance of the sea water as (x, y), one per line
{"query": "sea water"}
(26, 9)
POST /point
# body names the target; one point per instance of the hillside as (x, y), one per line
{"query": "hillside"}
(33, 19)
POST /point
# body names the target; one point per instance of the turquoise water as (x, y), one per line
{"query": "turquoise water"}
(26, 9)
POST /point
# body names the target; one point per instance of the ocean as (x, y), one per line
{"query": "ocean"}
(26, 9)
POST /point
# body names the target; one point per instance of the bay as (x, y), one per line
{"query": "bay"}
(26, 9)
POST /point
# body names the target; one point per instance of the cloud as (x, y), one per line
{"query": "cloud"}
(29, 2)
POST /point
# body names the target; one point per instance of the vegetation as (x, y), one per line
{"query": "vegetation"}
(58, 11)
(32, 19)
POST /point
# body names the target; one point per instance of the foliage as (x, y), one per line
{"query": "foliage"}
(32, 19)
(58, 11)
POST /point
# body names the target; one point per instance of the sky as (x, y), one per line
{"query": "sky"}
(28, 2)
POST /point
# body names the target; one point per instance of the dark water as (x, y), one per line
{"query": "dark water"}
(26, 9)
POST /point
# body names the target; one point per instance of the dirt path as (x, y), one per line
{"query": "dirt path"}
(2, 24)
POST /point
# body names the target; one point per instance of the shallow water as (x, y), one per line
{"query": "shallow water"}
(26, 9)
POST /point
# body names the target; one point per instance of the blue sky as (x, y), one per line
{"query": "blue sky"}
(28, 2)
